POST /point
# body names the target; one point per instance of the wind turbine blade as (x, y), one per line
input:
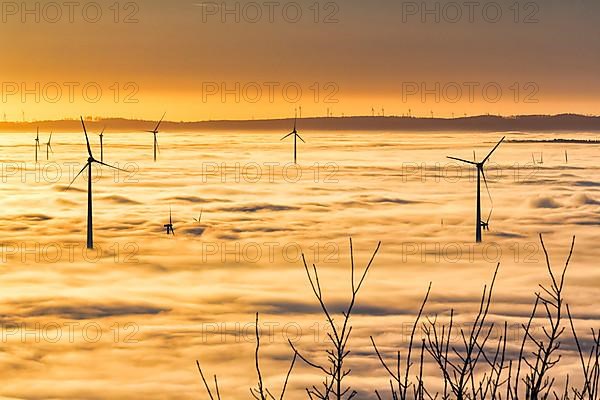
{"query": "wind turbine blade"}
(489, 216)
(200, 218)
(76, 176)
(102, 133)
(159, 122)
(489, 195)
(87, 141)
(50, 138)
(461, 160)
(487, 187)
(157, 146)
(50, 147)
(300, 138)
(493, 150)
(287, 136)
(150, 131)
(109, 166)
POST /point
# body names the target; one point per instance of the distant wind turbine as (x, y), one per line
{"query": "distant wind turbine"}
(566, 157)
(479, 224)
(199, 220)
(88, 165)
(49, 147)
(102, 144)
(296, 136)
(169, 226)
(37, 144)
(155, 132)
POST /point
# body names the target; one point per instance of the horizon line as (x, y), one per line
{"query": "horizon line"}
(427, 118)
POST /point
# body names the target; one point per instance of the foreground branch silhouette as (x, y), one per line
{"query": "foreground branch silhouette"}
(476, 367)
(334, 372)
(260, 392)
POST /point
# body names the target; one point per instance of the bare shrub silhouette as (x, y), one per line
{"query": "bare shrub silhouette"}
(334, 372)
(400, 391)
(477, 367)
(260, 392)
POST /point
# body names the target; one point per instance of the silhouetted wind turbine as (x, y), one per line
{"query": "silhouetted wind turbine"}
(37, 144)
(169, 226)
(155, 132)
(102, 144)
(199, 220)
(49, 147)
(480, 173)
(88, 165)
(566, 157)
(296, 136)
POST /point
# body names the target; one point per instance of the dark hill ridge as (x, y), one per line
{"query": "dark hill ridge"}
(484, 123)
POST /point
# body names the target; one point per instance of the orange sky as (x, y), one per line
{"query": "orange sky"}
(349, 57)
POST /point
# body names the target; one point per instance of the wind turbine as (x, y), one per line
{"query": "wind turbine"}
(566, 157)
(479, 224)
(88, 165)
(169, 226)
(199, 220)
(155, 132)
(296, 136)
(102, 144)
(49, 147)
(37, 144)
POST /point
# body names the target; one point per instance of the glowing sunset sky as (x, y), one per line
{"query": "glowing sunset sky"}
(178, 50)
